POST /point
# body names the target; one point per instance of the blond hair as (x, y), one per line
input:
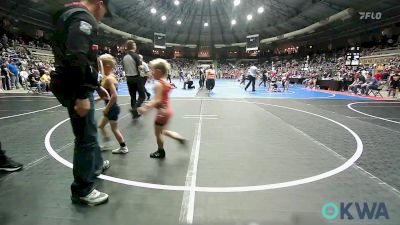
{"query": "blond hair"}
(161, 64)
(108, 59)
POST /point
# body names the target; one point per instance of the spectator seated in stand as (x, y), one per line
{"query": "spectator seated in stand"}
(394, 84)
(371, 83)
(45, 79)
(35, 85)
(358, 81)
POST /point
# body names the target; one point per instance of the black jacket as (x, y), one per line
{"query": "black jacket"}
(75, 58)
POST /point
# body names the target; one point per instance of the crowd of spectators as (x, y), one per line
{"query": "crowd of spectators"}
(20, 68)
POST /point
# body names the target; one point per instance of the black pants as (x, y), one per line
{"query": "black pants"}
(243, 81)
(144, 86)
(210, 84)
(189, 84)
(135, 85)
(252, 80)
(6, 82)
(87, 158)
(201, 82)
(20, 81)
(169, 78)
(263, 81)
(3, 157)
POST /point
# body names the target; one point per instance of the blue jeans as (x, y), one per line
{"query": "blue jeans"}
(87, 160)
(14, 81)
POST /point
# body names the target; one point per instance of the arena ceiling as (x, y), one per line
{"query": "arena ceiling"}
(136, 17)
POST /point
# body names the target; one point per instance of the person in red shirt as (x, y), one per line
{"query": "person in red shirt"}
(159, 69)
(378, 75)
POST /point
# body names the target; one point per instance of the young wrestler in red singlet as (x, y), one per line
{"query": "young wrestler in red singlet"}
(159, 69)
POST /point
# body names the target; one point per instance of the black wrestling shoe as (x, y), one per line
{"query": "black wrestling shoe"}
(159, 154)
(135, 114)
(9, 165)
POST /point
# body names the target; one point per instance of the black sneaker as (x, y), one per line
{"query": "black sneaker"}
(159, 154)
(135, 114)
(10, 166)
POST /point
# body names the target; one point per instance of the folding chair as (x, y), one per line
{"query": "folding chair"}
(378, 90)
(32, 89)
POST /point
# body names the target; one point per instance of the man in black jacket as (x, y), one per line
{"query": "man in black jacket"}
(73, 83)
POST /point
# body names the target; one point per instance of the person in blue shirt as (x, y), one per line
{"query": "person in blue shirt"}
(13, 68)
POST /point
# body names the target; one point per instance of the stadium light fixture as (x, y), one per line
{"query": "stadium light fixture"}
(233, 22)
(236, 2)
(249, 17)
(260, 10)
(153, 10)
(163, 18)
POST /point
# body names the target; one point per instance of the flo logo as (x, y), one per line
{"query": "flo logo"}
(355, 210)
(370, 15)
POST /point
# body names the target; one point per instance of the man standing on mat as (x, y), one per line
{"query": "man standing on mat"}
(73, 83)
(210, 76)
(181, 75)
(145, 76)
(252, 77)
(132, 65)
(264, 78)
(201, 78)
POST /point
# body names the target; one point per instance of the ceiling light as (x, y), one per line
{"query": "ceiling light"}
(176, 2)
(233, 22)
(236, 2)
(249, 17)
(260, 10)
(163, 18)
(179, 22)
(153, 10)
(206, 24)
